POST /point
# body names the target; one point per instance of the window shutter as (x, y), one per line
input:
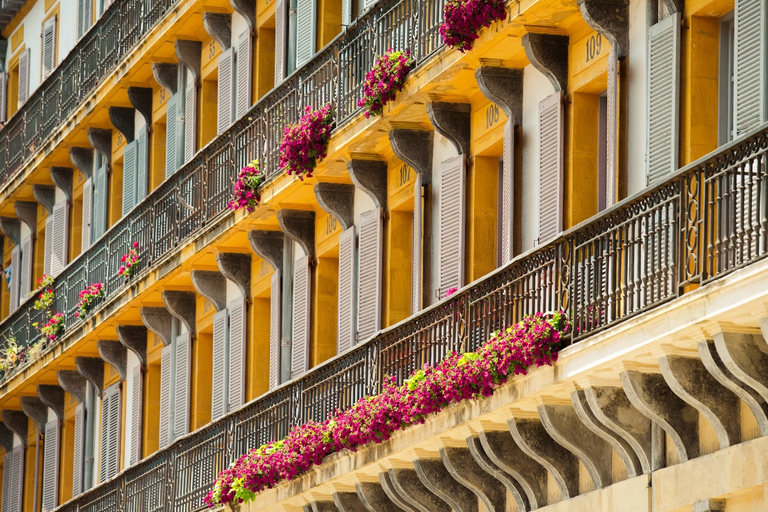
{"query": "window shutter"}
(137, 410)
(87, 214)
(110, 432)
(48, 249)
(166, 375)
(347, 287)
(60, 237)
(51, 466)
(346, 12)
(7, 481)
(190, 120)
(181, 386)
(306, 17)
(49, 46)
(15, 271)
(237, 352)
(142, 166)
(507, 192)
(275, 325)
(3, 96)
(104, 433)
(27, 262)
(171, 125)
(23, 77)
(550, 167)
(750, 66)
(280, 41)
(83, 17)
(416, 270)
(452, 199)
(302, 309)
(17, 479)
(244, 72)
(129, 177)
(369, 278)
(219, 384)
(663, 95)
(99, 219)
(77, 457)
(226, 65)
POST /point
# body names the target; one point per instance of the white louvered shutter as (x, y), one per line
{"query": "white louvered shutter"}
(302, 310)
(370, 274)
(104, 439)
(281, 43)
(190, 120)
(750, 64)
(275, 328)
(7, 485)
(183, 369)
(306, 19)
(48, 249)
(83, 17)
(142, 166)
(17, 479)
(87, 214)
(663, 97)
(171, 130)
(166, 377)
(226, 68)
(129, 177)
(219, 365)
(137, 412)
(3, 96)
(24, 77)
(15, 271)
(237, 352)
(27, 264)
(416, 246)
(550, 167)
(612, 129)
(100, 192)
(113, 432)
(49, 46)
(51, 466)
(244, 72)
(347, 288)
(60, 247)
(346, 12)
(77, 450)
(508, 193)
(452, 218)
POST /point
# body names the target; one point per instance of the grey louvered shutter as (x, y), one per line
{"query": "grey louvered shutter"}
(347, 288)
(370, 274)
(142, 166)
(114, 425)
(51, 466)
(60, 237)
(49, 46)
(3, 96)
(183, 369)
(244, 72)
(77, 450)
(550, 167)
(226, 68)
(7, 482)
(15, 271)
(219, 365)
(104, 436)
(275, 328)
(129, 177)
(23, 77)
(346, 12)
(87, 224)
(137, 411)
(48, 249)
(750, 64)
(281, 43)
(507, 192)
(190, 120)
(27, 264)
(663, 97)
(452, 218)
(17, 478)
(302, 310)
(166, 376)
(171, 142)
(306, 19)
(83, 17)
(100, 192)
(237, 352)
(416, 248)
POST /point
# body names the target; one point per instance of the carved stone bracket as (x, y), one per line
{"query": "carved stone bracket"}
(389, 489)
(373, 497)
(347, 502)
(338, 199)
(268, 245)
(611, 19)
(491, 469)
(549, 54)
(92, 368)
(16, 421)
(82, 158)
(167, 75)
(159, 321)
(114, 353)
(26, 211)
(435, 477)
(35, 410)
(212, 285)
(246, 9)
(101, 140)
(73, 383)
(414, 147)
(407, 484)
(12, 229)
(6, 438)
(299, 226)
(134, 338)
(52, 396)
(464, 470)
(124, 119)
(451, 120)
(45, 195)
(190, 54)
(182, 305)
(62, 178)
(370, 176)
(219, 26)
(141, 99)
(237, 268)
(503, 86)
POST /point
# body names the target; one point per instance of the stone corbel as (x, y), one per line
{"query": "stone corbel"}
(219, 26)
(101, 140)
(299, 226)
(82, 158)
(114, 353)
(370, 176)
(124, 119)
(549, 54)
(26, 211)
(134, 338)
(452, 121)
(35, 410)
(212, 285)
(611, 19)
(237, 268)
(484, 462)
(414, 147)
(159, 321)
(407, 484)
(6, 438)
(52, 396)
(17, 422)
(73, 383)
(11, 227)
(45, 195)
(504, 87)
(268, 245)
(141, 99)
(167, 75)
(190, 54)
(246, 9)
(373, 497)
(338, 200)
(435, 477)
(465, 471)
(62, 178)
(347, 502)
(182, 305)
(92, 369)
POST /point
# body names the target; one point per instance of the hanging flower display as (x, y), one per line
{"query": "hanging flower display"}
(86, 298)
(54, 327)
(246, 193)
(129, 261)
(306, 142)
(534, 341)
(384, 81)
(465, 18)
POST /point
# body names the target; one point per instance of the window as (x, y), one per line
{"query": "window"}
(49, 46)
(726, 86)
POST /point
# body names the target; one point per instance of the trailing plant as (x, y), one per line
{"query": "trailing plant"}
(43, 282)
(306, 142)
(384, 81)
(129, 261)
(54, 327)
(45, 300)
(246, 190)
(465, 18)
(533, 341)
(10, 355)
(86, 298)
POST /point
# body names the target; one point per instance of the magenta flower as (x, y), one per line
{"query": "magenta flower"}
(384, 81)
(246, 188)
(465, 18)
(306, 142)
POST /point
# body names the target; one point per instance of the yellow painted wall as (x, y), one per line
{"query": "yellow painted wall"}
(581, 158)
(151, 434)
(258, 328)
(66, 450)
(398, 232)
(482, 217)
(29, 467)
(325, 289)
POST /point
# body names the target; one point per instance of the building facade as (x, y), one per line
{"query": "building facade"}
(606, 158)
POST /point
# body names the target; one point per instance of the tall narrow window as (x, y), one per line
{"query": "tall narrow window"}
(49, 46)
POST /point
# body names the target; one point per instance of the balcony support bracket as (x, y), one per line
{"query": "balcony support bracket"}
(26, 211)
(82, 158)
(610, 18)
(503, 86)
(268, 245)
(114, 353)
(299, 226)
(92, 368)
(134, 338)
(45, 195)
(167, 75)
(190, 53)
(35, 410)
(218, 25)
(743, 355)
(62, 178)
(159, 321)
(182, 305)
(491, 469)
(17, 422)
(6, 438)
(373, 497)
(451, 120)
(141, 99)
(124, 119)
(11, 227)
(246, 9)
(338, 199)
(436, 479)
(73, 383)
(414, 147)
(52, 396)
(370, 176)
(407, 484)
(212, 285)
(237, 268)
(549, 54)
(347, 502)
(101, 140)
